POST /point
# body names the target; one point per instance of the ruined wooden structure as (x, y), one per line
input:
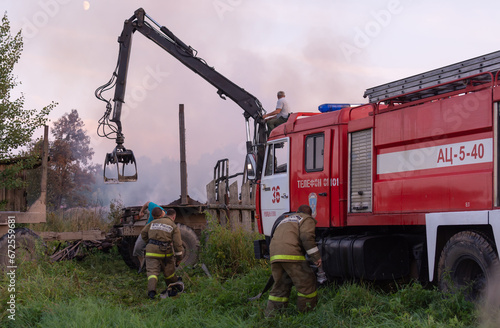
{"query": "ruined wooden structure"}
(231, 206)
(17, 210)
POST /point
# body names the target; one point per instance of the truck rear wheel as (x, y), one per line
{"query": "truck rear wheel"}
(126, 250)
(466, 264)
(25, 242)
(191, 243)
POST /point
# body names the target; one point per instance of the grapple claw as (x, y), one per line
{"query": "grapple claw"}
(122, 158)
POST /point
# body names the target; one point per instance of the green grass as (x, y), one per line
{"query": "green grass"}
(101, 291)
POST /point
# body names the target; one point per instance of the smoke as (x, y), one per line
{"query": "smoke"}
(489, 307)
(317, 52)
(160, 182)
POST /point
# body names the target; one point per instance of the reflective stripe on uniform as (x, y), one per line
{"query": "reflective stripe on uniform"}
(171, 276)
(288, 257)
(313, 294)
(312, 250)
(157, 255)
(295, 218)
(153, 276)
(162, 227)
(278, 299)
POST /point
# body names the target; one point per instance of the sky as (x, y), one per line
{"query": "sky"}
(318, 51)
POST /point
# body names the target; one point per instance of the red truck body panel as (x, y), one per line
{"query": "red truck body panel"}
(431, 156)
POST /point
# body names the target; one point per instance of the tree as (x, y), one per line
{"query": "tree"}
(71, 174)
(17, 125)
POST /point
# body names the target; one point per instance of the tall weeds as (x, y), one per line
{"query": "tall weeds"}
(77, 219)
(227, 252)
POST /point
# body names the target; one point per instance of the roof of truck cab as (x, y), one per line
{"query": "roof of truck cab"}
(303, 121)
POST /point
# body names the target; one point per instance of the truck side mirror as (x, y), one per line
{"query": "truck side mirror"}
(251, 167)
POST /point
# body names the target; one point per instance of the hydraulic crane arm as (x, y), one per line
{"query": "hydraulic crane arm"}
(164, 38)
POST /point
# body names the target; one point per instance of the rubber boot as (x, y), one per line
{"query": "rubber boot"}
(274, 308)
(152, 282)
(306, 304)
(174, 288)
(152, 294)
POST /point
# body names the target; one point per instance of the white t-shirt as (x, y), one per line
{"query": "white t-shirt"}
(285, 109)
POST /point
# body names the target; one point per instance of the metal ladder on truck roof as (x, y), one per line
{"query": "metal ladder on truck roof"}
(419, 86)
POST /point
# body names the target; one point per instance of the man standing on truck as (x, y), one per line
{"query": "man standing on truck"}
(292, 237)
(160, 235)
(279, 115)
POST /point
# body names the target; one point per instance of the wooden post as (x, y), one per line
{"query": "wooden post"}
(211, 200)
(246, 215)
(182, 140)
(234, 214)
(222, 201)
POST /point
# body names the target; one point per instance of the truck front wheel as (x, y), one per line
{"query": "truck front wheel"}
(466, 264)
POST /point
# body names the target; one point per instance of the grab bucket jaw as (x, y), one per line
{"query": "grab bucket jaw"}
(122, 158)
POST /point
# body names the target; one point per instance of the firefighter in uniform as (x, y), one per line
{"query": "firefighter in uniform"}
(293, 236)
(161, 236)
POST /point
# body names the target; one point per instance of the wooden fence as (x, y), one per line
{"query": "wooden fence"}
(232, 208)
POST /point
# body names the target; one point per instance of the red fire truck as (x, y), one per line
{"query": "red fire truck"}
(406, 185)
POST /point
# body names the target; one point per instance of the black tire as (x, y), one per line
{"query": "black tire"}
(126, 250)
(466, 264)
(191, 244)
(26, 243)
(189, 241)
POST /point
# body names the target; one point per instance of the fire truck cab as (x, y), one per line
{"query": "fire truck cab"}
(406, 185)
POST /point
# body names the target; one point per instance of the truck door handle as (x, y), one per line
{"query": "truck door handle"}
(322, 194)
(266, 188)
(284, 196)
